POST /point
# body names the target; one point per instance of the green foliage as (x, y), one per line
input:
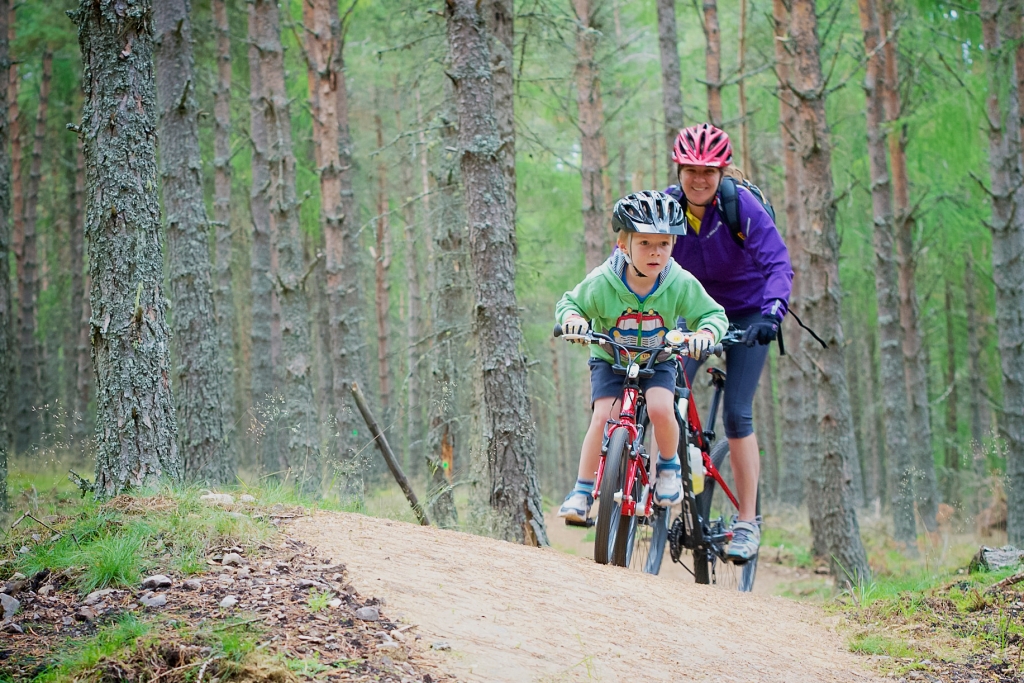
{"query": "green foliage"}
(113, 641)
(318, 600)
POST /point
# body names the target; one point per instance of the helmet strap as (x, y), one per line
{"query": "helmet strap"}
(628, 255)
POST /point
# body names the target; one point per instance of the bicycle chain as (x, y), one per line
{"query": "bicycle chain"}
(676, 538)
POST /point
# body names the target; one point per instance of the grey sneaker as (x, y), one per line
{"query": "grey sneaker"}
(576, 507)
(746, 539)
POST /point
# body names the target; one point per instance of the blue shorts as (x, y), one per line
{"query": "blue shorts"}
(604, 383)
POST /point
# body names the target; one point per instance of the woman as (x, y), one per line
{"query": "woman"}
(751, 277)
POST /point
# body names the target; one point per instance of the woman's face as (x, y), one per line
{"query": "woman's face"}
(699, 183)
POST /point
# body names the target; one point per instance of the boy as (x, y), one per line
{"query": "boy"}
(631, 295)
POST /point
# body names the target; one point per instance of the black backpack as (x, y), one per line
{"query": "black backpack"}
(729, 204)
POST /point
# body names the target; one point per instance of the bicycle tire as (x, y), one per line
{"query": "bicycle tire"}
(649, 539)
(718, 572)
(608, 511)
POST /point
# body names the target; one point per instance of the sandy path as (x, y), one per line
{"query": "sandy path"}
(512, 613)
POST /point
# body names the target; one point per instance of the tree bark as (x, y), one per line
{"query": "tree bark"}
(324, 47)
(713, 62)
(973, 353)
(795, 406)
(1007, 226)
(499, 17)
(382, 266)
(895, 396)
(830, 494)
(135, 425)
(916, 370)
(748, 162)
(30, 395)
(6, 311)
(450, 299)
(223, 293)
(510, 444)
(293, 368)
(200, 392)
(671, 84)
(952, 447)
(78, 340)
(590, 120)
(261, 368)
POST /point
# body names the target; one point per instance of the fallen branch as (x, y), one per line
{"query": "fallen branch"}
(389, 455)
(1008, 581)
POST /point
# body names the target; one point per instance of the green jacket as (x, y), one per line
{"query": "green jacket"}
(604, 299)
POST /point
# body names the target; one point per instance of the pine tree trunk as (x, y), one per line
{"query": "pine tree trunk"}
(590, 115)
(974, 371)
(858, 404)
(829, 490)
(135, 425)
(450, 299)
(671, 86)
(30, 396)
(261, 368)
(200, 392)
(499, 17)
(510, 445)
(713, 62)
(748, 161)
(294, 366)
(382, 266)
(952, 447)
(795, 406)
(6, 310)
(324, 46)
(1007, 243)
(887, 292)
(77, 346)
(223, 293)
(925, 485)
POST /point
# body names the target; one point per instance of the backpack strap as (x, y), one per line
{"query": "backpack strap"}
(729, 206)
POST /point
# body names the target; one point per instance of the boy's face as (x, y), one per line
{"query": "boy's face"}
(650, 253)
(699, 183)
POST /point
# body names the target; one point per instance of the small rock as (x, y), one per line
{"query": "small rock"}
(242, 572)
(192, 585)
(85, 614)
(388, 645)
(308, 583)
(229, 601)
(96, 596)
(383, 635)
(67, 621)
(11, 627)
(154, 599)
(334, 604)
(232, 560)
(24, 550)
(368, 614)
(10, 605)
(821, 570)
(46, 590)
(221, 499)
(398, 635)
(18, 576)
(156, 581)
(246, 498)
(226, 579)
(440, 645)
(13, 587)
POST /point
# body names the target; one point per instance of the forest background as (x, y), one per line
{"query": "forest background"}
(414, 343)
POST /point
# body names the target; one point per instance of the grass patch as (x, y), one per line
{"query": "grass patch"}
(878, 644)
(112, 641)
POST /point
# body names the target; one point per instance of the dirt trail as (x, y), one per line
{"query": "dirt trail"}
(512, 613)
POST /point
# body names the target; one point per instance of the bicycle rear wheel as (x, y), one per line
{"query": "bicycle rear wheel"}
(608, 510)
(717, 512)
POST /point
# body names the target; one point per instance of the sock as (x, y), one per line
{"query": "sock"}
(672, 464)
(584, 486)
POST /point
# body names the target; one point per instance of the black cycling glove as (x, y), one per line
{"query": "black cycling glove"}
(763, 332)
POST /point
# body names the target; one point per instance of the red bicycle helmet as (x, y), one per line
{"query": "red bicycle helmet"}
(702, 145)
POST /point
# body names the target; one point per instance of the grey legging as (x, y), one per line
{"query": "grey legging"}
(743, 370)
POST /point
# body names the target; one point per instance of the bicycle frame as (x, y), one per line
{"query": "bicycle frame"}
(631, 401)
(704, 437)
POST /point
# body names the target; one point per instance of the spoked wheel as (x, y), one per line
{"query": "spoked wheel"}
(649, 537)
(608, 510)
(717, 511)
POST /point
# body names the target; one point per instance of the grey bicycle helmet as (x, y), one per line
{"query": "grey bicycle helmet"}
(650, 212)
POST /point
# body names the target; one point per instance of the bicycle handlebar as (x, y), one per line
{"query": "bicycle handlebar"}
(731, 337)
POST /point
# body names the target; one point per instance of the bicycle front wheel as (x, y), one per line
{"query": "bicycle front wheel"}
(608, 510)
(717, 510)
(648, 538)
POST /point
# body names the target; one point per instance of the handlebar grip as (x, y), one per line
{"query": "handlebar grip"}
(558, 330)
(718, 349)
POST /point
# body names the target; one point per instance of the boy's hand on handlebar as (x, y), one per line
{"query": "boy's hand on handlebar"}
(763, 332)
(701, 343)
(575, 324)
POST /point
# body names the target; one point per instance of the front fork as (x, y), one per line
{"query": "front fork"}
(624, 496)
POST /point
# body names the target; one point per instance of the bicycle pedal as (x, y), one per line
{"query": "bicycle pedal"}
(585, 524)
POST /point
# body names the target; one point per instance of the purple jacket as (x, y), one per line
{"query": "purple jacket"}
(757, 277)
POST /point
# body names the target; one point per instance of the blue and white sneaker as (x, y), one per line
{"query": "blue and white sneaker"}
(746, 539)
(576, 507)
(668, 485)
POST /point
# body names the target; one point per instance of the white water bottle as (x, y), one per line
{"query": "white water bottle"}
(696, 459)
